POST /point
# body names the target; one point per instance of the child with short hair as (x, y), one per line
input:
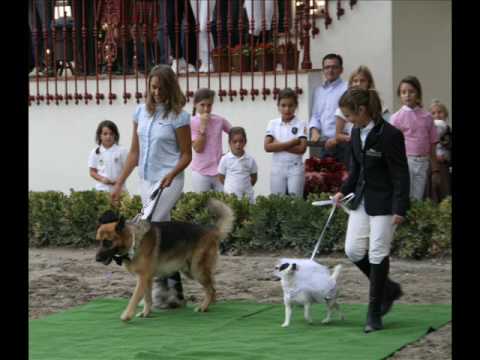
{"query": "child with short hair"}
(439, 186)
(420, 134)
(238, 170)
(286, 138)
(206, 129)
(107, 160)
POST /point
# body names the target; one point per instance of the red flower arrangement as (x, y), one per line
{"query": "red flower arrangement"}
(244, 50)
(266, 48)
(323, 175)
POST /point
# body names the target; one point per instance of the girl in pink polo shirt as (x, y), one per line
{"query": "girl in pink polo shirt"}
(420, 135)
(207, 131)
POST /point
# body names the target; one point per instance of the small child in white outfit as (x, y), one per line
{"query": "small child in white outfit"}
(107, 160)
(286, 138)
(238, 170)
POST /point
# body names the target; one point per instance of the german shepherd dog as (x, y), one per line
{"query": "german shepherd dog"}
(163, 248)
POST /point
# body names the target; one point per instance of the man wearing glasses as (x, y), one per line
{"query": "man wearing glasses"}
(325, 102)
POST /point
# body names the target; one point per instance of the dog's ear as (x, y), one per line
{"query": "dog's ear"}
(283, 266)
(121, 225)
(108, 216)
(294, 266)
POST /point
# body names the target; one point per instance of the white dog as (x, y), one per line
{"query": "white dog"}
(306, 282)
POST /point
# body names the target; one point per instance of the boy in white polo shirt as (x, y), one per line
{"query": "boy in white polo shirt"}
(286, 137)
(238, 170)
(106, 161)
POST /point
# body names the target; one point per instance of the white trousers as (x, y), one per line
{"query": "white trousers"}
(240, 193)
(205, 13)
(418, 169)
(168, 198)
(287, 178)
(255, 9)
(372, 234)
(202, 183)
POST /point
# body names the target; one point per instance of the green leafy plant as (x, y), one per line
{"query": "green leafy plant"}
(274, 222)
(46, 221)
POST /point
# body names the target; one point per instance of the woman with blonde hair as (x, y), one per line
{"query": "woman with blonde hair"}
(362, 78)
(162, 149)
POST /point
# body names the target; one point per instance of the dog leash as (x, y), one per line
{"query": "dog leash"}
(155, 196)
(344, 201)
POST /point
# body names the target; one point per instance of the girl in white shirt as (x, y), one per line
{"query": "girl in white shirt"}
(238, 170)
(286, 137)
(107, 160)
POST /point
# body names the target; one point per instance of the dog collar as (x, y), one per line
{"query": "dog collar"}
(119, 259)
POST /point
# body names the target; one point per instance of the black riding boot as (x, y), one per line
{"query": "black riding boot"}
(378, 278)
(393, 290)
(167, 293)
(176, 298)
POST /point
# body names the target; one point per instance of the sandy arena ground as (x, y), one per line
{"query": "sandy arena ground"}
(63, 278)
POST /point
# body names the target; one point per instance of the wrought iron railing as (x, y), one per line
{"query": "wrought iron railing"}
(76, 41)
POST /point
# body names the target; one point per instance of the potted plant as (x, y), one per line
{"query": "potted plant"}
(220, 59)
(241, 56)
(264, 56)
(292, 56)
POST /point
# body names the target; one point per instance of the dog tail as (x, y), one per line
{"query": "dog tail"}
(225, 216)
(336, 272)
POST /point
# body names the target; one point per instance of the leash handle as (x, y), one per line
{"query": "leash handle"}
(343, 202)
(154, 196)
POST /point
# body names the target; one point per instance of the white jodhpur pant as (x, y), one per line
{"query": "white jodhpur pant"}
(241, 192)
(202, 183)
(168, 198)
(418, 169)
(287, 178)
(365, 233)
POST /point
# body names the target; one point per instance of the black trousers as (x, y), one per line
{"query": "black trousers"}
(88, 63)
(220, 35)
(39, 17)
(177, 49)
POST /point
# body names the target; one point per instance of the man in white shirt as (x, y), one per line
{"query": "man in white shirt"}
(325, 103)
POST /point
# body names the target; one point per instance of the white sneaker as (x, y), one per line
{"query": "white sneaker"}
(204, 68)
(191, 68)
(182, 65)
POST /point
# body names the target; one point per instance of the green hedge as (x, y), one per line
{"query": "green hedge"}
(272, 223)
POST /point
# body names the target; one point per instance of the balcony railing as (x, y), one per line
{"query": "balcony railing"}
(73, 41)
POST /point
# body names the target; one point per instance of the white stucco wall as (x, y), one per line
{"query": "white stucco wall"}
(381, 34)
(362, 36)
(422, 46)
(61, 137)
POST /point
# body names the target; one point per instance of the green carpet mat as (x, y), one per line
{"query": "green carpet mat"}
(230, 330)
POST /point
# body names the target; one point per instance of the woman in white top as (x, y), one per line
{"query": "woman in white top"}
(286, 137)
(107, 160)
(362, 78)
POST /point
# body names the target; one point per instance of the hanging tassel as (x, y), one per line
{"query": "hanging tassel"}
(352, 3)
(328, 19)
(340, 10)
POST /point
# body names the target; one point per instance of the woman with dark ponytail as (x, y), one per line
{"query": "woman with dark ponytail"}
(380, 180)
